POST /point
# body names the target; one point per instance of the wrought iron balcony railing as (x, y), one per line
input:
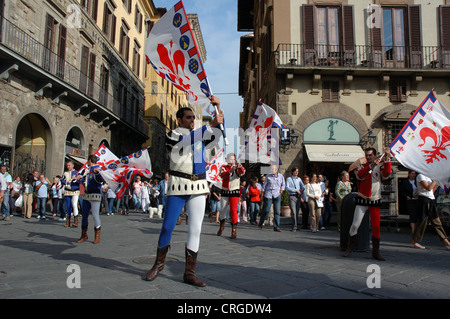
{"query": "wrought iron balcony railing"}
(363, 56)
(17, 40)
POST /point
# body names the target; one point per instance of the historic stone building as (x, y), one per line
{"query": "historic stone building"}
(72, 77)
(342, 74)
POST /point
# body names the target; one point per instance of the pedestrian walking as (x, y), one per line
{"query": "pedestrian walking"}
(427, 212)
(272, 188)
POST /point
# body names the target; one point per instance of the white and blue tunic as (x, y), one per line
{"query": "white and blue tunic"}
(187, 153)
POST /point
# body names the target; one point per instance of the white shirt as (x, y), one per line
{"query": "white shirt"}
(313, 190)
(2, 183)
(423, 191)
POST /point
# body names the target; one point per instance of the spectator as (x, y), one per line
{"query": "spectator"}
(273, 186)
(314, 194)
(243, 203)
(304, 204)
(215, 203)
(137, 185)
(35, 179)
(41, 187)
(2, 188)
(16, 187)
(327, 209)
(145, 197)
(61, 203)
(408, 198)
(110, 196)
(122, 204)
(295, 188)
(343, 187)
(162, 189)
(55, 191)
(5, 205)
(27, 194)
(254, 196)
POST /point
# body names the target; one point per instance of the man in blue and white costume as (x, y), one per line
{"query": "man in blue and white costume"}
(71, 193)
(187, 186)
(91, 199)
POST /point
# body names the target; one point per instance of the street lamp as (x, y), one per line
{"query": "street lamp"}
(368, 139)
(294, 137)
(288, 137)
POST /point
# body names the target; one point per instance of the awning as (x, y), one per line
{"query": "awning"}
(76, 159)
(333, 153)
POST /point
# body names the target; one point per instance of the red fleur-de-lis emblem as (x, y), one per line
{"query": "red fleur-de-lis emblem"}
(441, 140)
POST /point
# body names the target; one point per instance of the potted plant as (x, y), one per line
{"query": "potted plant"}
(285, 210)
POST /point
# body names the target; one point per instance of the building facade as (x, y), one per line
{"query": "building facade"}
(342, 74)
(72, 78)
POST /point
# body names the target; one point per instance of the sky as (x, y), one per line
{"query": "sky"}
(218, 24)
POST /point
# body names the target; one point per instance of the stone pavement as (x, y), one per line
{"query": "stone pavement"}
(35, 256)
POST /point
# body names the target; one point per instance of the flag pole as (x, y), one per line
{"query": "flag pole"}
(217, 112)
(207, 80)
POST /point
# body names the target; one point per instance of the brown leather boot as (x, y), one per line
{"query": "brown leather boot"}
(376, 249)
(351, 245)
(97, 235)
(67, 222)
(233, 231)
(189, 276)
(221, 227)
(160, 260)
(83, 234)
(75, 221)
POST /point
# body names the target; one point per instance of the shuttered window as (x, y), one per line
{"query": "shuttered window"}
(84, 68)
(444, 21)
(109, 23)
(91, 7)
(328, 33)
(124, 44)
(330, 91)
(397, 90)
(415, 36)
(87, 69)
(61, 51)
(49, 37)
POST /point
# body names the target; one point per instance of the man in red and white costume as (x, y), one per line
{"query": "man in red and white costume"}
(230, 174)
(369, 175)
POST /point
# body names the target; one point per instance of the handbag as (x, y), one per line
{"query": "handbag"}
(319, 202)
(19, 201)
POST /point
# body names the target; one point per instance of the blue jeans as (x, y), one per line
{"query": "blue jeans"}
(136, 201)
(253, 211)
(41, 203)
(5, 204)
(276, 211)
(327, 211)
(109, 209)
